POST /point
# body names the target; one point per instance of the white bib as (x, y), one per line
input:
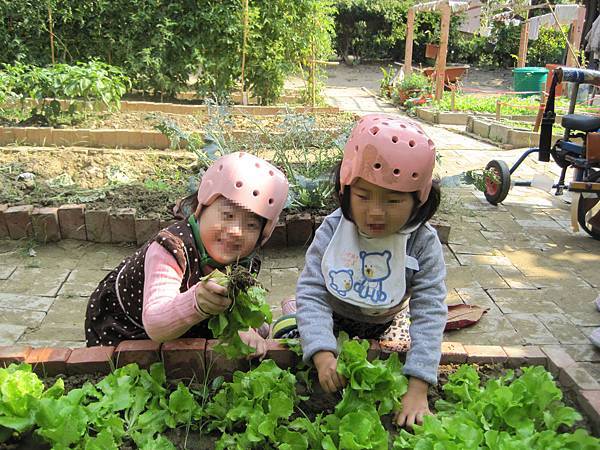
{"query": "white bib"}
(367, 272)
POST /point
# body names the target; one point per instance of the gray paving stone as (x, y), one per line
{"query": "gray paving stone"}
(531, 329)
(538, 306)
(36, 281)
(6, 271)
(10, 333)
(27, 302)
(24, 317)
(55, 333)
(583, 352)
(82, 282)
(67, 311)
(284, 284)
(562, 328)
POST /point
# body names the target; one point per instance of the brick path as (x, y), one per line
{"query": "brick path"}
(520, 260)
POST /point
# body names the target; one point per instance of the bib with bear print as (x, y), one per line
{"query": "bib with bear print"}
(367, 272)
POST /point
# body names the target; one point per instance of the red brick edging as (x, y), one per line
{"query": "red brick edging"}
(184, 358)
(122, 225)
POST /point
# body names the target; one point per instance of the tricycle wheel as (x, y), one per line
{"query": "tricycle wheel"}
(588, 210)
(497, 181)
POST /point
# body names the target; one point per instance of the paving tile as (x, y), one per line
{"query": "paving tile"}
(55, 333)
(561, 328)
(528, 307)
(284, 283)
(283, 258)
(583, 352)
(474, 276)
(67, 311)
(10, 333)
(82, 282)
(477, 296)
(483, 260)
(513, 277)
(6, 272)
(469, 249)
(484, 338)
(24, 317)
(28, 302)
(36, 281)
(531, 329)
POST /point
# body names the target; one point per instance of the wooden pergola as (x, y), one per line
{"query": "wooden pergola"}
(446, 8)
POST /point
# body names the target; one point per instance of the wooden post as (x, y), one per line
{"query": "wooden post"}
(408, 47)
(498, 109)
(453, 99)
(441, 59)
(523, 43)
(576, 33)
(245, 38)
(50, 26)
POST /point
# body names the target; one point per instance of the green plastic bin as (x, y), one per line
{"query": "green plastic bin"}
(527, 79)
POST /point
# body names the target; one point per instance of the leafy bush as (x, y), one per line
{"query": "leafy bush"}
(160, 45)
(548, 48)
(91, 81)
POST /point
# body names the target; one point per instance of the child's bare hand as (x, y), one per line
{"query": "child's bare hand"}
(329, 378)
(211, 297)
(254, 340)
(414, 404)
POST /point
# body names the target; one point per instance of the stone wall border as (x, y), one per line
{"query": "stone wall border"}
(191, 357)
(123, 225)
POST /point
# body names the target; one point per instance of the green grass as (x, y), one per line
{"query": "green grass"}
(517, 106)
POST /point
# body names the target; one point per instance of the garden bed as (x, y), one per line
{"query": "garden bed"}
(508, 133)
(139, 130)
(187, 360)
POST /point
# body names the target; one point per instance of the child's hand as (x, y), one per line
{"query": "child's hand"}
(329, 378)
(254, 340)
(414, 404)
(211, 298)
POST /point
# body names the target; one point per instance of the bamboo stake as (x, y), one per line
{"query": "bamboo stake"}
(314, 64)
(565, 37)
(51, 32)
(453, 99)
(498, 109)
(245, 38)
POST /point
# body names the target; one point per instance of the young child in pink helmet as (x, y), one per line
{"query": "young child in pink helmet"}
(375, 259)
(156, 293)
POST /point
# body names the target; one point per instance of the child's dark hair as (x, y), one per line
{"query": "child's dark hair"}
(420, 214)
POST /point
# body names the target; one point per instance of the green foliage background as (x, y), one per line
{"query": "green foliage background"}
(159, 44)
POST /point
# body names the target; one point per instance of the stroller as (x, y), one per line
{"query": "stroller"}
(583, 156)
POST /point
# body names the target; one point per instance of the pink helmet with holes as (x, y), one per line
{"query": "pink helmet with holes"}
(249, 181)
(389, 151)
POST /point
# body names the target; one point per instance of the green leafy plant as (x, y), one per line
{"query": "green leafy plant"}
(506, 413)
(20, 392)
(252, 410)
(479, 178)
(93, 81)
(248, 310)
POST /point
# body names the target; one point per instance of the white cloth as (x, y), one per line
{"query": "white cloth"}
(593, 37)
(369, 273)
(472, 21)
(565, 14)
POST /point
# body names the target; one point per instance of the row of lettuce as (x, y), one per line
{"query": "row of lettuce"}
(262, 408)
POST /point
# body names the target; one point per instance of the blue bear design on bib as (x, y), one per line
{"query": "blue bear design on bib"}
(341, 281)
(375, 268)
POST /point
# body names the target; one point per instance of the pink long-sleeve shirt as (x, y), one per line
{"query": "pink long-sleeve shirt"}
(167, 313)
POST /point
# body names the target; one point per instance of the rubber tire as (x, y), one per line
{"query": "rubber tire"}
(594, 233)
(504, 174)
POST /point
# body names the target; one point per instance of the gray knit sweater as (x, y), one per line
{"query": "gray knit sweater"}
(428, 310)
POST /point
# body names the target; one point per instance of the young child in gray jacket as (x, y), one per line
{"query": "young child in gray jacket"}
(376, 258)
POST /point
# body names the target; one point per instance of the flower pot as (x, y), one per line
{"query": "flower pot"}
(431, 51)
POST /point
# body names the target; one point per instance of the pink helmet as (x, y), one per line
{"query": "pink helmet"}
(392, 152)
(249, 181)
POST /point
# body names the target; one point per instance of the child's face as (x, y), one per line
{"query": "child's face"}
(377, 211)
(228, 231)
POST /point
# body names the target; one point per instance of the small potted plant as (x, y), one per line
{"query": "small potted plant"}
(414, 85)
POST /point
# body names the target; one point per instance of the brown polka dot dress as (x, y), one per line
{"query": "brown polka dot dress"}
(114, 311)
